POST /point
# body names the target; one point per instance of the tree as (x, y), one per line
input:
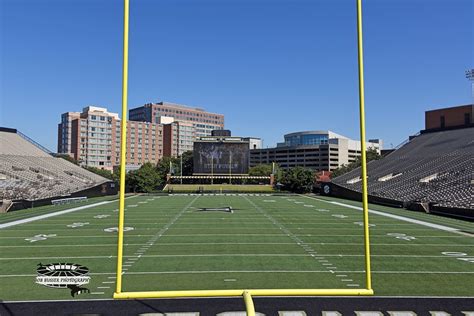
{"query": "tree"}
(146, 179)
(188, 163)
(298, 180)
(101, 172)
(116, 174)
(163, 167)
(260, 170)
(265, 170)
(68, 158)
(371, 154)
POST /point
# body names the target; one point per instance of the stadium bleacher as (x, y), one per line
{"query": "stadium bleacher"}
(435, 168)
(28, 172)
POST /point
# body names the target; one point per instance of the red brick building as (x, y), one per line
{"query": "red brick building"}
(453, 117)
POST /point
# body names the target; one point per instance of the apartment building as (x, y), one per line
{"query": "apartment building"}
(92, 137)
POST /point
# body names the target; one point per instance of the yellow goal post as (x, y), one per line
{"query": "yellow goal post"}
(246, 294)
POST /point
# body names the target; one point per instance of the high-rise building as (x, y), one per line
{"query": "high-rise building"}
(181, 138)
(65, 131)
(144, 143)
(92, 137)
(190, 123)
(88, 136)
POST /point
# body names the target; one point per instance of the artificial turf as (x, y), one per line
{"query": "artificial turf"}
(269, 241)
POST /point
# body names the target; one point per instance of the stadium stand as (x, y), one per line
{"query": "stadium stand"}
(29, 172)
(434, 169)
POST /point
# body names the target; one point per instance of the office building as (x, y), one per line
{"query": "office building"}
(254, 142)
(316, 150)
(189, 123)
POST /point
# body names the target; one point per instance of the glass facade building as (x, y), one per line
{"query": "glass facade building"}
(305, 139)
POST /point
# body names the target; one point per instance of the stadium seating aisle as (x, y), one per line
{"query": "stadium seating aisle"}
(434, 167)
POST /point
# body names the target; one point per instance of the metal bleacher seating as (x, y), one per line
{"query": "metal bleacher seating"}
(435, 167)
(28, 172)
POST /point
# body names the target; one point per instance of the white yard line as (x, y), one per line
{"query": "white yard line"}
(40, 217)
(178, 256)
(308, 249)
(256, 271)
(73, 245)
(242, 243)
(139, 253)
(229, 235)
(83, 236)
(400, 218)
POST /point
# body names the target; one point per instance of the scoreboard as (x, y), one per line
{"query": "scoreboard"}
(221, 157)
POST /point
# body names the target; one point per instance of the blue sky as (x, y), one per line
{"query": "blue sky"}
(271, 66)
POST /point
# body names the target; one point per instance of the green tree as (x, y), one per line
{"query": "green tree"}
(188, 163)
(101, 172)
(163, 167)
(260, 170)
(68, 158)
(146, 179)
(298, 180)
(371, 154)
(116, 174)
(265, 170)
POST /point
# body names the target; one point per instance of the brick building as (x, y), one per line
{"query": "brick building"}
(453, 117)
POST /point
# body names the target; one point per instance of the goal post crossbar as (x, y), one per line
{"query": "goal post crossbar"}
(252, 292)
(247, 293)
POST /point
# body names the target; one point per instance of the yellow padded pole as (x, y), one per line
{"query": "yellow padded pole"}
(365, 205)
(257, 292)
(123, 148)
(249, 303)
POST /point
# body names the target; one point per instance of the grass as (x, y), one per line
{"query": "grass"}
(193, 188)
(267, 242)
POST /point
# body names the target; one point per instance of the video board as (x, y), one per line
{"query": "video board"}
(221, 158)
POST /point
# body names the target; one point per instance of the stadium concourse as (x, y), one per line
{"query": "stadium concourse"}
(433, 171)
(29, 173)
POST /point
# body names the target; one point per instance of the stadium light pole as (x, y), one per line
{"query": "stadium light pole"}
(365, 204)
(212, 169)
(230, 167)
(470, 77)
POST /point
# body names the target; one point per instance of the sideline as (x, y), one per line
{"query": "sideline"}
(400, 218)
(40, 217)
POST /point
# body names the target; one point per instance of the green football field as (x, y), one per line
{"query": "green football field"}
(267, 241)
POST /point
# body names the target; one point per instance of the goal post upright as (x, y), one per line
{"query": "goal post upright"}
(246, 294)
(123, 147)
(365, 205)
